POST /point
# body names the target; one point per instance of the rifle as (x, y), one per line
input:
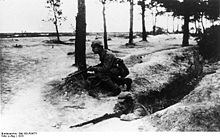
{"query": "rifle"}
(99, 119)
(73, 76)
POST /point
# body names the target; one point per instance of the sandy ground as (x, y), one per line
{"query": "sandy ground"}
(29, 70)
(26, 110)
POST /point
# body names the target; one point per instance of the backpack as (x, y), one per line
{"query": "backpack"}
(122, 67)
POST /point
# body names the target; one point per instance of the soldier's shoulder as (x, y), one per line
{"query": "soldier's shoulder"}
(110, 54)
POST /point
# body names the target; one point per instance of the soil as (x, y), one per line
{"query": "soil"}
(31, 72)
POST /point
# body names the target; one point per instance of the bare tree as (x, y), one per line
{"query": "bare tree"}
(55, 8)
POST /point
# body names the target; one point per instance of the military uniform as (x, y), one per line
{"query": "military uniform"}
(130, 108)
(107, 71)
(107, 64)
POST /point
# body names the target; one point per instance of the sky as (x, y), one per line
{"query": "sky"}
(27, 16)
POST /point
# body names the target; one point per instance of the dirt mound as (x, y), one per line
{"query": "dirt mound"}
(198, 111)
(158, 78)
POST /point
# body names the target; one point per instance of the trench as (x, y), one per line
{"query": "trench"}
(180, 85)
(167, 96)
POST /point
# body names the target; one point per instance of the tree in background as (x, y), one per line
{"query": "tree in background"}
(195, 19)
(143, 9)
(54, 7)
(80, 44)
(212, 9)
(198, 9)
(185, 8)
(156, 10)
(174, 24)
(199, 14)
(104, 24)
(131, 2)
(168, 15)
(131, 21)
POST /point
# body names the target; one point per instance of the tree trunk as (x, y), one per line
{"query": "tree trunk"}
(177, 28)
(144, 35)
(80, 44)
(55, 23)
(186, 31)
(154, 30)
(105, 28)
(196, 28)
(178, 25)
(131, 23)
(213, 22)
(173, 24)
(203, 28)
(167, 23)
(154, 26)
(57, 32)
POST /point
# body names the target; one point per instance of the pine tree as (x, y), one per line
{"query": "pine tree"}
(186, 8)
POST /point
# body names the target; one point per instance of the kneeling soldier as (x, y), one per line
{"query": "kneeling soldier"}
(107, 72)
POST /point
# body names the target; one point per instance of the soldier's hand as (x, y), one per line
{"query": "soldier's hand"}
(129, 117)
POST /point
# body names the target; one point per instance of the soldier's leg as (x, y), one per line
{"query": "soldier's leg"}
(106, 79)
(91, 81)
(122, 81)
(116, 77)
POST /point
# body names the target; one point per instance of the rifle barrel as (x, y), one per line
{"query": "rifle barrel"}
(99, 119)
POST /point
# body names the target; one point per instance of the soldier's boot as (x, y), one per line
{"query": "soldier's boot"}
(114, 88)
(128, 82)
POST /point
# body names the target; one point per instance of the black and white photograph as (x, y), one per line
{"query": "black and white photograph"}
(113, 66)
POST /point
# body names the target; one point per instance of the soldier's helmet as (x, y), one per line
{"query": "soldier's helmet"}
(125, 103)
(96, 43)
